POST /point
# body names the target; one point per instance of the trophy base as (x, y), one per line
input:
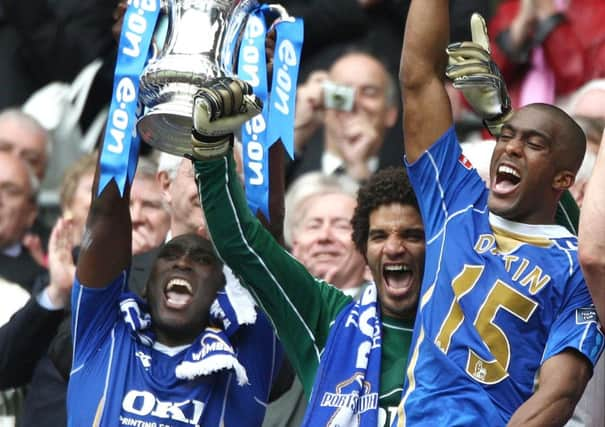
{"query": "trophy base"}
(167, 127)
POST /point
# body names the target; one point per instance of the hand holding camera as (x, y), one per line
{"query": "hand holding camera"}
(309, 109)
(313, 97)
(358, 144)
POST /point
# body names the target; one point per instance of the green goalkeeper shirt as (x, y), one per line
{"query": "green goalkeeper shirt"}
(301, 307)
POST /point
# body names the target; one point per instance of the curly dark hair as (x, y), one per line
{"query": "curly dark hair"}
(387, 186)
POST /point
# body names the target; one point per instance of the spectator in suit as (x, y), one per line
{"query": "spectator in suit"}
(318, 229)
(179, 193)
(353, 132)
(24, 137)
(26, 336)
(45, 402)
(150, 217)
(18, 210)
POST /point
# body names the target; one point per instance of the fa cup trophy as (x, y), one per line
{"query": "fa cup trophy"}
(201, 44)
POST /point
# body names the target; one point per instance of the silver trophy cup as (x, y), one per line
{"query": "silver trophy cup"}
(200, 45)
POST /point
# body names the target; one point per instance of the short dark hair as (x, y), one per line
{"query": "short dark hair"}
(188, 243)
(572, 143)
(387, 186)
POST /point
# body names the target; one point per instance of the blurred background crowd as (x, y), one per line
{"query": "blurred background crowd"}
(57, 60)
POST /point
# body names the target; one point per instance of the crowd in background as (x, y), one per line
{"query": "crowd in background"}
(56, 62)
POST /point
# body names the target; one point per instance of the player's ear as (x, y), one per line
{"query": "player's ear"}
(563, 180)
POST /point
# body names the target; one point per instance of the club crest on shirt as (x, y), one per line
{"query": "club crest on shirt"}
(144, 358)
(349, 403)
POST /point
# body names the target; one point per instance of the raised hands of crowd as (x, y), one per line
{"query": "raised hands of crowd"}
(531, 12)
(33, 243)
(61, 264)
(358, 143)
(309, 109)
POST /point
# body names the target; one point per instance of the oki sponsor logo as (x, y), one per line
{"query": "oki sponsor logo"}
(144, 403)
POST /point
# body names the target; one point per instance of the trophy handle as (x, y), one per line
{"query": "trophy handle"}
(280, 12)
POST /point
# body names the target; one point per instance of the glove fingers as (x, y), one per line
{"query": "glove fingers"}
(252, 105)
(466, 70)
(479, 31)
(463, 50)
(203, 111)
(481, 81)
(210, 102)
(230, 95)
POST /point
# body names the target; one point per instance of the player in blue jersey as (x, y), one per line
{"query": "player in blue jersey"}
(503, 298)
(172, 361)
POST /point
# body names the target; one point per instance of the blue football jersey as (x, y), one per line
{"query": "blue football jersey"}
(116, 382)
(498, 299)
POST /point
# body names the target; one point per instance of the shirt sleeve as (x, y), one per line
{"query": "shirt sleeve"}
(300, 307)
(577, 324)
(445, 182)
(24, 339)
(95, 312)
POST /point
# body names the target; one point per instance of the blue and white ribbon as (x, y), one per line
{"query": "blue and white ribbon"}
(288, 46)
(252, 68)
(277, 119)
(121, 144)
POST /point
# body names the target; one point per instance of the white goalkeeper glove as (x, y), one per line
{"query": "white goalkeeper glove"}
(220, 108)
(472, 70)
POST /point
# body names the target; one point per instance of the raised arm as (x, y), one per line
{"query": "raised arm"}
(561, 384)
(106, 244)
(427, 112)
(592, 234)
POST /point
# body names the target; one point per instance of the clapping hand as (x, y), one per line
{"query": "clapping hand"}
(357, 144)
(61, 265)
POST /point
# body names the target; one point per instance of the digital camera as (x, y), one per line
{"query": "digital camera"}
(338, 97)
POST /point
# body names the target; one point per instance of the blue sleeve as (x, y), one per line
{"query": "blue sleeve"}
(95, 312)
(445, 182)
(577, 324)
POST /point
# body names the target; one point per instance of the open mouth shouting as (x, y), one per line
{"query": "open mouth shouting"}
(506, 179)
(398, 278)
(178, 293)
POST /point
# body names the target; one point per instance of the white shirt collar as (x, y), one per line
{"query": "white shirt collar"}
(13, 251)
(169, 351)
(330, 162)
(529, 230)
